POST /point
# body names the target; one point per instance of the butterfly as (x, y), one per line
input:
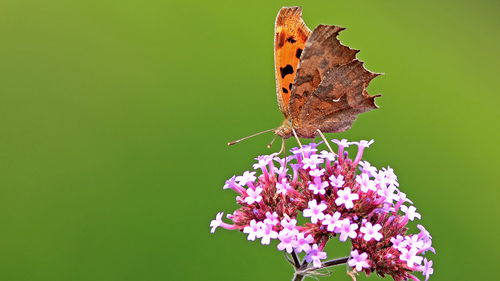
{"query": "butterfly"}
(320, 84)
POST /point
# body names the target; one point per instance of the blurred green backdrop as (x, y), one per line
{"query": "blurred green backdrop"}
(114, 117)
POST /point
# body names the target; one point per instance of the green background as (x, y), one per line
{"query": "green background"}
(114, 117)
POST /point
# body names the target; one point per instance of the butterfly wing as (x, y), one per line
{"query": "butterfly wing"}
(290, 38)
(329, 89)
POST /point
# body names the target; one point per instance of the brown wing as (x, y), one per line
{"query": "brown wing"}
(289, 40)
(329, 89)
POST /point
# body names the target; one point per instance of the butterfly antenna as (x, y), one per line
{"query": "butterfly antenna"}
(250, 136)
(271, 143)
(326, 142)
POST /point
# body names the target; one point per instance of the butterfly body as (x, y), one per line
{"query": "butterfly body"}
(320, 84)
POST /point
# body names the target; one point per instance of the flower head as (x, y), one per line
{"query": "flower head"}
(342, 197)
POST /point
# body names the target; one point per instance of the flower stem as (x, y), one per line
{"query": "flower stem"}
(304, 271)
(298, 277)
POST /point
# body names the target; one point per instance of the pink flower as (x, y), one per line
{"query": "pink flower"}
(267, 233)
(346, 197)
(361, 147)
(346, 229)
(371, 231)
(311, 162)
(317, 172)
(231, 183)
(410, 257)
(271, 218)
(282, 186)
(253, 195)
(288, 223)
(315, 211)
(246, 178)
(217, 222)
(337, 181)
(263, 161)
(410, 212)
(365, 183)
(332, 221)
(398, 242)
(318, 186)
(327, 155)
(391, 178)
(287, 240)
(254, 230)
(359, 261)
(367, 168)
(427, 269)
(315, 255)
(302, 242)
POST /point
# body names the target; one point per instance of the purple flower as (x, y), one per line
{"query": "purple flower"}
(398, 242)
(371, 231)
(263, 161)
(346, 197)
(410, 257)
(359, 261)
(247, 177)
(302, 242)
(367, 168)
(361, 147)
(341, 144)
(287, 240)
(315, 255)
(282, 186)
(253, 195)
(217, 222)
(254, 230)
(267, 233)
(337, 181)
(327, 155)
(317, 172)
(391, 178)
(410, 212)
(427, 269)
(271, 218)
(231, 183)
(365, 183)
(311, 162)
(346, 229)
(288, 223)
(332, 221)
(318, 186)
(315, 211)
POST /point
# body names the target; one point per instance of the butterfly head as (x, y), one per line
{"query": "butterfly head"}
(285, 130)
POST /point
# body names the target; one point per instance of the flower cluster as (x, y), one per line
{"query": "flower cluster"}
(341, 197)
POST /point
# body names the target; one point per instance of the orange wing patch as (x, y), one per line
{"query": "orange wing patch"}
(290, 38)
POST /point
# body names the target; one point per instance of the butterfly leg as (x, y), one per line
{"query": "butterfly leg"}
(282, 149)
(298, 141)
(326, 142)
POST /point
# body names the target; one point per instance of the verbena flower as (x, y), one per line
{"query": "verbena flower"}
(340, 197)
